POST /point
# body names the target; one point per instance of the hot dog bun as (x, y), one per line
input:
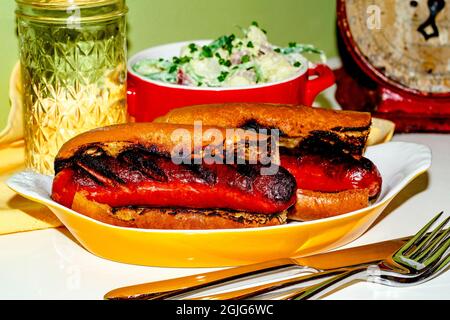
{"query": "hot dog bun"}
(347, 129)
(149, 135)
(174, 218)
(319, 205)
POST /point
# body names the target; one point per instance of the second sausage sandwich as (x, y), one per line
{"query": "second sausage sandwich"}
(322, 149)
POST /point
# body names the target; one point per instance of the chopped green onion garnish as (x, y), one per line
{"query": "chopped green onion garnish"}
(185, 59)
(245, 59)
(207, 52)
(181, 60)
(222, 76)
(250, 45)
(173, 68)
(193, 47)
(297, 64)
(226, 63)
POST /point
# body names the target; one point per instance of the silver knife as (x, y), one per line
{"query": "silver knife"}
(325, 261)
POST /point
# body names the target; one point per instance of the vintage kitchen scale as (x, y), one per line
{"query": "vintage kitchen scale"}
(396, 61)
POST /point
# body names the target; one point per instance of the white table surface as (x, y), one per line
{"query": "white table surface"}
(49, 264)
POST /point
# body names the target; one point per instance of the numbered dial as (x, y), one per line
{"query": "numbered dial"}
(407, 42)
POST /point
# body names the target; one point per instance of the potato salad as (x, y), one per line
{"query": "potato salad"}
(230, 61)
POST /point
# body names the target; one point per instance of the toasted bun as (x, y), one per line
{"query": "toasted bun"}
(348, 127)
(165, 137)
(172, 218)
(318, 205)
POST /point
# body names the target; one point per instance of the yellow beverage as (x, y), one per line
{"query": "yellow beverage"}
(73, 56)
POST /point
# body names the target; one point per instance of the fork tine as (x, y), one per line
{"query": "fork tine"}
(419, 236)
(442, 247)
(444, 262)
(428, 240)
(438, 268)
(433, 246)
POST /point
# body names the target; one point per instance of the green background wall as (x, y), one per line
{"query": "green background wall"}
(154, 22)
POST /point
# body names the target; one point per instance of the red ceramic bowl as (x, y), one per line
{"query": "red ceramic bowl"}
(148, 100)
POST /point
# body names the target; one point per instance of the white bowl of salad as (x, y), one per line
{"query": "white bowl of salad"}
(227, 70)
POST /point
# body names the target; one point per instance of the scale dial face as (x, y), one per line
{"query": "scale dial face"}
(406, 42)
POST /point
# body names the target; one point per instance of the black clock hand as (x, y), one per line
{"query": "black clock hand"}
(435, 6)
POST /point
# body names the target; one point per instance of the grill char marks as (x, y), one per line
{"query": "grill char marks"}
(324, 141)
(245, 177)
(247, 171)
(144, 162)
(86, 173)
(98, 167)
(137, 164)
(93, 164)
(279, 187)
(330, 141)
(92, 150)
(321, 143)
(208, 176)
(254, 125)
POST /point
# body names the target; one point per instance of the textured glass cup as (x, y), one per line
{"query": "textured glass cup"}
(73, 57)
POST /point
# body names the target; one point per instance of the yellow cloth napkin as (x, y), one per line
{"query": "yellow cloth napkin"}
(17, 214)
(14, 127)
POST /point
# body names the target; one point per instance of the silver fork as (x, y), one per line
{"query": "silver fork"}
(423, 257)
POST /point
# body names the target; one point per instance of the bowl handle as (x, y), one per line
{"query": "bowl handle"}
(131, 100)
(324, 79)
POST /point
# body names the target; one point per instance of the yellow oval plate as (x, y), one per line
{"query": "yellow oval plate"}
(398, 162)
